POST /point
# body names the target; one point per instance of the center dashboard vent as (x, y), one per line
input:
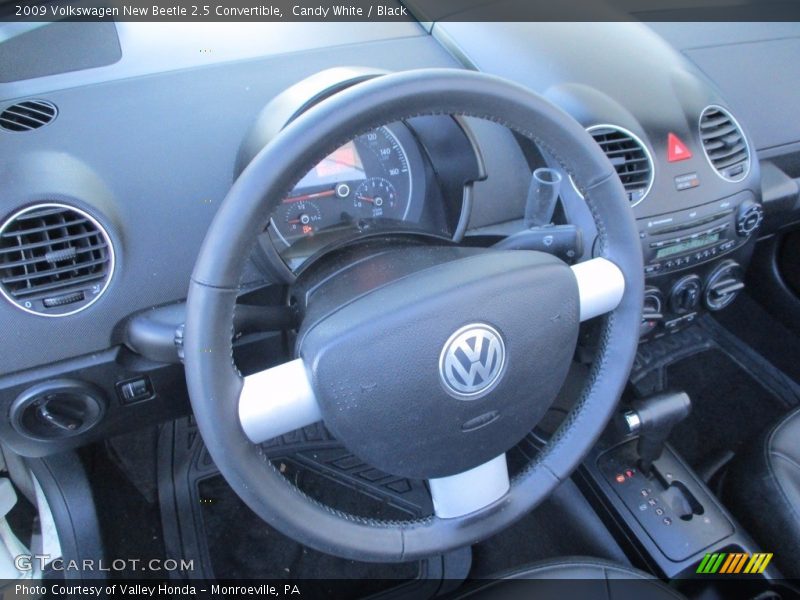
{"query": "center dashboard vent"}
(55, 260)
(28, 115)
(724, 143)
(630, 158)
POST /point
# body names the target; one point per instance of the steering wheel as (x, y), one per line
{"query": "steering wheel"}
(434, 374)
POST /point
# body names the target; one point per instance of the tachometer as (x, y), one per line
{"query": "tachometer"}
(377, 198)
(365, 181)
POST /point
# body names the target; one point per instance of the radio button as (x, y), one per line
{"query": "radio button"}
(654, 268)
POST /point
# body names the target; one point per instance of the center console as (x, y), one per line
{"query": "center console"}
(655, 503)
(693, 260)
(695, 253)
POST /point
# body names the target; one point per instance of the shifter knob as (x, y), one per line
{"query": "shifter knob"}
(652, 419)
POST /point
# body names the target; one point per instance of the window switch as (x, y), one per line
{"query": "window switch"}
(135, 390)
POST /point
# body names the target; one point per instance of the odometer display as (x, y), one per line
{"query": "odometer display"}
(366, 181)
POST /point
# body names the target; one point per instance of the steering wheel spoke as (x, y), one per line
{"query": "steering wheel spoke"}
(469, 491)
(276, 401)
(601, 286)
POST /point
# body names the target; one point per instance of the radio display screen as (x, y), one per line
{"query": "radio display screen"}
(687, 246)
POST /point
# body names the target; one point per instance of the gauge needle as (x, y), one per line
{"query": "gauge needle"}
(367, 199)
(309, 196)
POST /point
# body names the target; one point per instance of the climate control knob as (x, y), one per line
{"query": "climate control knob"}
(686, 294)
(749, 218)
(723, 285)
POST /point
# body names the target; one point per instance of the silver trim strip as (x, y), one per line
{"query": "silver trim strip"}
(464, 493)
(600, 286)
(277, 401)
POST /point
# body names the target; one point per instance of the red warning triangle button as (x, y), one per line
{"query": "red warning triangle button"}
(676, 149)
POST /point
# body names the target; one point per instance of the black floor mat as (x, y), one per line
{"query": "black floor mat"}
(260, 552)
(751, 323)
(206, 522)
(563, 525)
(728, 406)
(119, 502)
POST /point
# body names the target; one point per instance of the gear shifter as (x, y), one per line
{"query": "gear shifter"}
(653, 490)
(653, 419)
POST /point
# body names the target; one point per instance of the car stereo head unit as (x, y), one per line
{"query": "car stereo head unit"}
(690, 237)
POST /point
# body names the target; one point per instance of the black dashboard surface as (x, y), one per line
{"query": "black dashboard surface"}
(754, 65)
(651, 93)
(154, 155)
(148, 144)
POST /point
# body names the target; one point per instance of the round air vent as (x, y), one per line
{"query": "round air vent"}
(55, 260)
(724, 143)
(630, 158)
(28, 115)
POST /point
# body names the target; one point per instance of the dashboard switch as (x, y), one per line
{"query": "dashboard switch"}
(687, 181)
(676, 149)
(135, 390)
(563, 241)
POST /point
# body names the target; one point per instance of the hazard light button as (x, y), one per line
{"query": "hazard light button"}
(676, 149)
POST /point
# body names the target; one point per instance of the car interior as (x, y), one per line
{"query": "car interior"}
(417, 307)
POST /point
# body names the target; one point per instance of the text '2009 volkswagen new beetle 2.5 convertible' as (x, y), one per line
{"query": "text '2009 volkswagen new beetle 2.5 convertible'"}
(435, 301)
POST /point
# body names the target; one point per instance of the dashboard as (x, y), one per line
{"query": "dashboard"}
(373, 182)
(128, 158)
(368, 179)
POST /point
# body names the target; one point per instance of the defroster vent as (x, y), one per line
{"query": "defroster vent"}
(55, 260)
(28, 115)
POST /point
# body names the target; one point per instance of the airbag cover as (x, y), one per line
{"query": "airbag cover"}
(395, 369)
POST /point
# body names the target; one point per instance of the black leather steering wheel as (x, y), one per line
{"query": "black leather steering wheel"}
(470, 350)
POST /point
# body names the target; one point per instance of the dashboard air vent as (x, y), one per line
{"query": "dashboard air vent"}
(724, 143)
(630, 158)
(55, 260)
(28, 115)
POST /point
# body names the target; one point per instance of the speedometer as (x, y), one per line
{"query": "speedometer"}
(367, 180)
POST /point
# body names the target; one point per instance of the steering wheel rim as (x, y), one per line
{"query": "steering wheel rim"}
(215, 384)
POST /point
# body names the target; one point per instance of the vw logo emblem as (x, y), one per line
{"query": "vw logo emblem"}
(472, 361)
